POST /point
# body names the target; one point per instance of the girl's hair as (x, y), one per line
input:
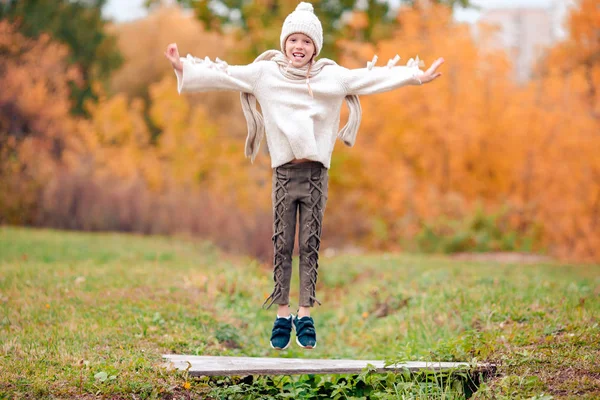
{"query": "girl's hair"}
(310, 63)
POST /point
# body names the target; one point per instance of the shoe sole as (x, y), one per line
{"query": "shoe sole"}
(305, 347)
(281, 348)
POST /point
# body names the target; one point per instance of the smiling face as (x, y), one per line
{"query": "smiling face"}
(300, 49)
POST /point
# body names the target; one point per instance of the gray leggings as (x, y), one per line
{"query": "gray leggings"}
(299, 190)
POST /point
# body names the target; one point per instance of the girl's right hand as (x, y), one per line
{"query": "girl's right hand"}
(172, 55)
(431, 73)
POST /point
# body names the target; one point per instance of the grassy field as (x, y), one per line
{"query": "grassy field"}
(87, 315)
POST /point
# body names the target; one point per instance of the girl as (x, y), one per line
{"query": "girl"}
(300, 100)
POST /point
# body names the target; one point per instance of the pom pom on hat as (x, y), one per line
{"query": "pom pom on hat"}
(303, 6)
(303, 20)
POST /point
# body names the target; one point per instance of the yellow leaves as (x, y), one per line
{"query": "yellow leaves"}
(118, 138)
(474, 135)
(168, 109)
(111, 121)
(423, 152)
(142, 42)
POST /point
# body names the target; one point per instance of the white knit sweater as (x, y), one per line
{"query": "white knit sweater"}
(296, 124)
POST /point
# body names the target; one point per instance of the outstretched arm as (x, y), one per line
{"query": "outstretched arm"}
(203, 75)
(372, 80)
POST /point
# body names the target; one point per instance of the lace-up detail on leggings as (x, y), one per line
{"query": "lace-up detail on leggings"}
(280, 193)
(313, 225)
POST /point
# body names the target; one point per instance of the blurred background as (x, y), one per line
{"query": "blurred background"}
(502, 154)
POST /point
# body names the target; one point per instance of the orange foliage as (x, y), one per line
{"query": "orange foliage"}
(152, 161)
(142, 43)
(473, 135)
(568, 110)
(191, 179)
(35, 124)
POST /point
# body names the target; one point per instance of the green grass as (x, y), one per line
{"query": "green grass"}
(85, 315)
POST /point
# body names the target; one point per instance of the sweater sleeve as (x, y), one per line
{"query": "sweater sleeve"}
(362, 81)
(203, 75)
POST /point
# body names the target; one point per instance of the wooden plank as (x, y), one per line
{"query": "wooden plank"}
(241, 366)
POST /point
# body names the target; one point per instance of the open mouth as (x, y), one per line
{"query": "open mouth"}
(298, 56)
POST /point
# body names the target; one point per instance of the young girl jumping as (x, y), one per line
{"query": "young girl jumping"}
(300, 98)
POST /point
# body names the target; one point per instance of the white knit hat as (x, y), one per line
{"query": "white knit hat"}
(303, 20)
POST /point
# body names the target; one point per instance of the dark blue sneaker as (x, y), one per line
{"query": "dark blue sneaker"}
(281, 334)
(306, 336)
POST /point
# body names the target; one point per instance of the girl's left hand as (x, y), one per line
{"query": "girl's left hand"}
(431, 73)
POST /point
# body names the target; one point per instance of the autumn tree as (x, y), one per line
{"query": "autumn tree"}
(258, 23)
(579, 54)
(80, 26)
(566, 162)
(426, 159)
(35, 124)
(142, 43)
(475, 138)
